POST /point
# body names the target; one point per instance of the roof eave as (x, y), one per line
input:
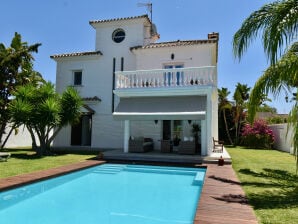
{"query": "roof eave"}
(94, 22)
(76, 54)
(174, 44)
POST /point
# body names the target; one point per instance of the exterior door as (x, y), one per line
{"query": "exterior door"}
(177, 76)
(166, 134)
(81, 132)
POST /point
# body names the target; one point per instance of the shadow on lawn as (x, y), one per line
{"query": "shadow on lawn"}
(283, 192)
(25, 156)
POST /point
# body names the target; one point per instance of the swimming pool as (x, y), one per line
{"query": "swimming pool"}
(108, 194)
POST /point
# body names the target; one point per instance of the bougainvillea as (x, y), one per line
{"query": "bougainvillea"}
(258, 135)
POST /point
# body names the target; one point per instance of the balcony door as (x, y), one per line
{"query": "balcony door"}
(169, 76)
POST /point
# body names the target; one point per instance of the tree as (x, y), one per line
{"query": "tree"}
(16, 69)
(278, 22)
(44, 112)
(224, 105)
(241, 95)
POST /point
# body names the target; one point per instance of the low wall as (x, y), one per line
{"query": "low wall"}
(283, 140)
(20, 139)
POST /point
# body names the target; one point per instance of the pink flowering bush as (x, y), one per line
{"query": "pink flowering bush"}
(259, 135)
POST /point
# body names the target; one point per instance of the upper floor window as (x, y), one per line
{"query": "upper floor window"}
(118, 35)
(77, 78)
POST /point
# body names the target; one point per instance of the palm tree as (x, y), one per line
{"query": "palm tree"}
(44, 111)
(241, 96)
(16, 69)
(224, 105)
(278, 22)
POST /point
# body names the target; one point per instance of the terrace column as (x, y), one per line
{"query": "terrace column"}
(126, 135)
(203, 138)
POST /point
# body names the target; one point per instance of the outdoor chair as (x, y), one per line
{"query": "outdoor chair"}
(141, 144)
(166, 146)
(4, 156)
(217, 145)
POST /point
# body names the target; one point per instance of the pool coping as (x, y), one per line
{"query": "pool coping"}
(28, 178)
(222, 198)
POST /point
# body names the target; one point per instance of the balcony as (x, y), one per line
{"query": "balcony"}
(167, 78)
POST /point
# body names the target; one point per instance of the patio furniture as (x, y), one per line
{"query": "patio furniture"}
(217, 145)
(166, 146)
(4, 156)
(141, 144)
(187, 147)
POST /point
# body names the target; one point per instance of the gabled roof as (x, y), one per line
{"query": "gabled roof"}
(174, 44)
(119, 19)
(87, 53)
(85, 109)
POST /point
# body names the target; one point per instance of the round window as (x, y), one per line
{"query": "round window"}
(118, 35)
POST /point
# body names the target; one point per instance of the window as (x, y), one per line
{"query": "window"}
(77, 78)
(118, 35)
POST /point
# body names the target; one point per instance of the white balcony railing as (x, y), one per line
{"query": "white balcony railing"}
(176, 77)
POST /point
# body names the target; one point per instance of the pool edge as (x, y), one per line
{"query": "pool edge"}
(29, 178)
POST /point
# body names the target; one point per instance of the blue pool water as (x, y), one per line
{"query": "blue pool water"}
(108, 194)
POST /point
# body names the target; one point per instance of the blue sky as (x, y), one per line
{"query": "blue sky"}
(62, 26)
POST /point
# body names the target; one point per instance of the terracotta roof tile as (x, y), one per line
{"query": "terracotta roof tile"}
(119, 19)
(95, 98)
(174, 44)
(87, 53)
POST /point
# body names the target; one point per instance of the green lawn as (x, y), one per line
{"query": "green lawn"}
(25, 161)
(269, 180)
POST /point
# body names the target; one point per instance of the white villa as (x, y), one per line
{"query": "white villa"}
(138, 89)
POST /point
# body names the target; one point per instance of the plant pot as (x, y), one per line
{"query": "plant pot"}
(221, 161)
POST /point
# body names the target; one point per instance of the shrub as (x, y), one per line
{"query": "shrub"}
(276, 120)
(259, 135)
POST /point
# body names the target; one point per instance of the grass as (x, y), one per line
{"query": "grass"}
(269, 180)
(26, 161)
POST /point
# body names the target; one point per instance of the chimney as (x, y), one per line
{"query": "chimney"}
(213, 36)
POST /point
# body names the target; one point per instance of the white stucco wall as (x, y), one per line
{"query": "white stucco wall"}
(283, 137)
(189, 56)
(21, 138)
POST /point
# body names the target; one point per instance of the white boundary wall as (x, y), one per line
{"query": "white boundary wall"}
(283, 140)
(21, 139)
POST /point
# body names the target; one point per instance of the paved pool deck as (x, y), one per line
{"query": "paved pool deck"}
(222, 200)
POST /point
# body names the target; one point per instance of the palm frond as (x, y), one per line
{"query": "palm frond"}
(71, 103)
(278, 23)
(281, 76)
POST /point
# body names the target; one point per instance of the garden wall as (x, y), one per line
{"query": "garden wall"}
(283, 140)
(20, 139)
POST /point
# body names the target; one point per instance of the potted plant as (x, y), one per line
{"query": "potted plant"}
(196, 129)
(176, 140)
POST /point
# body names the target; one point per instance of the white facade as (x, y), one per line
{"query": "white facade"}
(135, 67)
